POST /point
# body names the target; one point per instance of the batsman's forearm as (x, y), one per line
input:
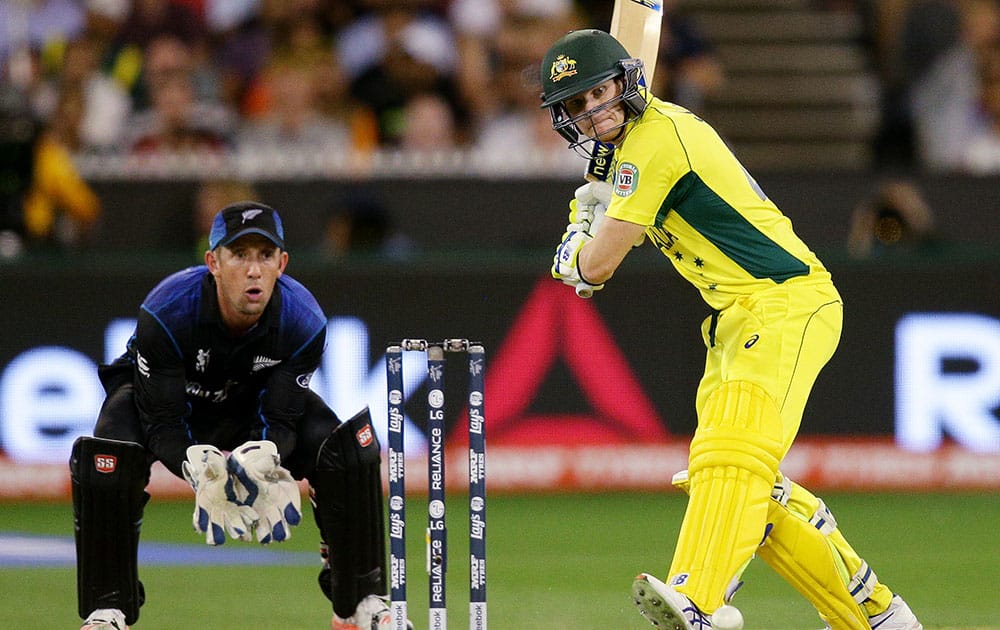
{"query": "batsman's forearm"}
(593, 269)
(596, 262)
(599, 259)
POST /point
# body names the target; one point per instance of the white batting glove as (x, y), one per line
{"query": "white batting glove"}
(268, 488)
(217, 510)
(594, 192)
(587, 208)
(565, 263)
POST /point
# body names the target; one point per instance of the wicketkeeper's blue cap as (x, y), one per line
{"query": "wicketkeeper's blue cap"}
(246, 217)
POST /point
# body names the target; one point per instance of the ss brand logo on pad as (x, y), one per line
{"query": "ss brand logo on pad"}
(365, 435)
(105, 463)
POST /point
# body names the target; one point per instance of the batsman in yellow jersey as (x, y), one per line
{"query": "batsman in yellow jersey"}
(775, 322)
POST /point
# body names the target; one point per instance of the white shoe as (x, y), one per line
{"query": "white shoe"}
(897, 616)
(664, 607)
(372, 613)
(105, 619)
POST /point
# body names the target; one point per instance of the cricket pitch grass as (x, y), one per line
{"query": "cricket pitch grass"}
(556, 562)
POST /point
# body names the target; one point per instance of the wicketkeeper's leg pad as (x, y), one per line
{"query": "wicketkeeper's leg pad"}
(347, 503)
(806, 548)
(733, 462)
(108, 480)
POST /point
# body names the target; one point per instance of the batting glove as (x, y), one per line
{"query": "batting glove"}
(594, 192)
(565, 263)
(586, 210)
(217, 510)
(268, 488)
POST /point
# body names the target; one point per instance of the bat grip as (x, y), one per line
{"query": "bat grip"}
(584, 290)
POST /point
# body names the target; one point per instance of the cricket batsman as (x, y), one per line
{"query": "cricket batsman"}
(214, 384)
(775, 321)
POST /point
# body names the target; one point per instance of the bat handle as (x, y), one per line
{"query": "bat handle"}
(584, 290)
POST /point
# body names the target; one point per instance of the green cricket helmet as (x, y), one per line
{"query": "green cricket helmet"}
(576, 63)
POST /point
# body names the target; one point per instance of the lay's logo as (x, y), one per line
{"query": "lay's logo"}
(105, 463)
(365, 435)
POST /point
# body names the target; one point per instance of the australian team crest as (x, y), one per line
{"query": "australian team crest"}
(562, 67)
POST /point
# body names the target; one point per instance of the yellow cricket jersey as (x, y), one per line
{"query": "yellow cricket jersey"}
(703, 210)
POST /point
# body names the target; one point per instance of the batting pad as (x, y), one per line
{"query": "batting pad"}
(108, 480)
(810, 553)
(733, 463)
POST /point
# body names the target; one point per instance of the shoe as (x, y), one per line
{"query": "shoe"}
(665, 608)
(105, 619)
(372, 613)
(897, 616)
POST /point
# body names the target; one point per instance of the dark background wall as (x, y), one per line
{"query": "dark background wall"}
(465, 213)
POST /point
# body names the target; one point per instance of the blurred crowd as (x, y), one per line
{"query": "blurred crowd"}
(263, 80)
(939, 64)
(141, 76)
(258, 78)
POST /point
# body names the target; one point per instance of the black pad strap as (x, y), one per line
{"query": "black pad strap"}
(109, 479)
(348, 495)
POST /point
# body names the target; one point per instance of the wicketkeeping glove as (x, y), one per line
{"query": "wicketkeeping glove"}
(217, 510)
(565, 265)
(268, 488)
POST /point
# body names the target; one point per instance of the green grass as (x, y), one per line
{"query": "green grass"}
(555, 562)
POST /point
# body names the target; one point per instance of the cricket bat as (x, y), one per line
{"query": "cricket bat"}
(636, 25)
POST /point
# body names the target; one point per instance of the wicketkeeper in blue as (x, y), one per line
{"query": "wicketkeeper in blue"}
(215, 385)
